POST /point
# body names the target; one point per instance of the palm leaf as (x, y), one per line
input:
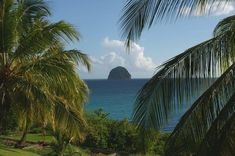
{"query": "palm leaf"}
(79, 58)
(43, 36)
(225, 25)
(38, 77)
(182, 79)
(7, 24)
(15, 17)
(67, 120)
(226, 142)
(211, 141)
(30, 9)
(140, 14)
(195, 123)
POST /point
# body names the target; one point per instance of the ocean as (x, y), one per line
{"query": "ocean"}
(116, 97)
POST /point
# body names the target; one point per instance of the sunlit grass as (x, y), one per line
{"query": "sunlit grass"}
(30, 137)
(36, 150)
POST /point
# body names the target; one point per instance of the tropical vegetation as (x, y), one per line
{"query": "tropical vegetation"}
(103, 135)
(39, 83)
(120, 136)
(204, 72)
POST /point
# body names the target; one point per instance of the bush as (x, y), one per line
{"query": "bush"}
(159, 144)
(120, 136)
(98, 131)
(124, 136)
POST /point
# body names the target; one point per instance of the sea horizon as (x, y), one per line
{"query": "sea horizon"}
(114, 80)
(117, 99)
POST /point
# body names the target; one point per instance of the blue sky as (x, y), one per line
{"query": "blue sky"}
(97, 21)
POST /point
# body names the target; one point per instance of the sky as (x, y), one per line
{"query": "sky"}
(97, 22)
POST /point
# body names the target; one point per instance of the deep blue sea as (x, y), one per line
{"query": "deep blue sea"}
(117, 97)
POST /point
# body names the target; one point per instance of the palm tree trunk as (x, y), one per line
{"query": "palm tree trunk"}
(61, 147)
(62, 143)
(23, 137)
(62, 150)
(21, 142)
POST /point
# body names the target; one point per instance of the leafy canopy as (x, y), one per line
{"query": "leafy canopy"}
(38, 76)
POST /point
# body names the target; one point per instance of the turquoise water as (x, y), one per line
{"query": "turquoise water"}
(117, 97)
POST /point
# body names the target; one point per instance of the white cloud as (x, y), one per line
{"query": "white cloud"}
(136, 62)
(110, 59)
(216, 9)
(134, 59)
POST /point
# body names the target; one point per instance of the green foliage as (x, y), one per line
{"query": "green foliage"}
(105, 134)
(123, 136)
(39, 82)
(98, 130)
(159, 144)
(205, 129)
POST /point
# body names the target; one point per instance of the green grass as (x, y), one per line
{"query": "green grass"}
(30, 137)
(9, 151)
(70, 151)
(35, 150)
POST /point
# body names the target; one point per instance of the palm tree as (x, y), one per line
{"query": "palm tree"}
(38, 76)
(205, 72)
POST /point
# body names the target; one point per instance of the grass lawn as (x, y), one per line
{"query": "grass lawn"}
(30, 137)
(8, 151)
(35, 150)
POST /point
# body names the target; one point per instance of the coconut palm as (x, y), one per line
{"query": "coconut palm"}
(204, 72)
(38, 76)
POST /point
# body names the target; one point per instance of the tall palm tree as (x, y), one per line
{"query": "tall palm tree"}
(205, 72)
(38, 76)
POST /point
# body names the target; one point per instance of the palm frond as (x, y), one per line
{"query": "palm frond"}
(15, 16)
(225, 139)
(54, 65)
(79, 58)
(63, 30)
(30, 89)
(211, 141)
(67, 120)
(226, 142)
(140, 14)
(181, 80)
(30, 9)
(7, 24)
(38, 77)
(195, 123)
(225, 25)
(43, 36)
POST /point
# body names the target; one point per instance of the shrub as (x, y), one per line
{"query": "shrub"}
(159, 144)
(123, 136)
(120, 136)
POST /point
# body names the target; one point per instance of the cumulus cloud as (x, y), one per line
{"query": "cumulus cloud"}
(110, 59)
(216, 9)
(136, 61)
(136, 57)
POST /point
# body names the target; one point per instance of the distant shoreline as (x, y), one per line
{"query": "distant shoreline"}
(138, 79)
